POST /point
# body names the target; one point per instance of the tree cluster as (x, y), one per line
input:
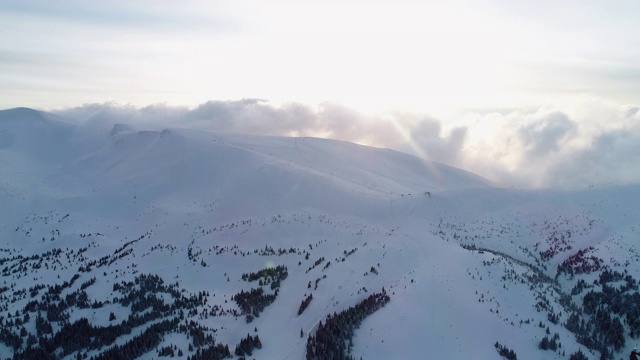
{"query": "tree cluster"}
(145, 342)
(200, 335)
(332, 339)
(580, 263)
(558, 242)
(316, 263)
(213, 352)
(247, 345)
(505, 352)
(553, 344)
(144, 295)
(598, 324)
(578, 355)
(270, 275)
(305, 302)
(252, 303)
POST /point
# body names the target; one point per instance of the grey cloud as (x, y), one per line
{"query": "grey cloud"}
(530, 149)
(249, 116)
(150, 15)
(596, 145)
(258, 117)
(427, 134)
(253, 116)
(632, 111)
(545, 135)
(341, 122)
(611, 158)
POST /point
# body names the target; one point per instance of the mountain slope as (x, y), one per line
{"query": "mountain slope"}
(159, 242)
(32, 133)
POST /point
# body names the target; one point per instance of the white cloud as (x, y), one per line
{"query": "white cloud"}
(590, 142)
(430, 56)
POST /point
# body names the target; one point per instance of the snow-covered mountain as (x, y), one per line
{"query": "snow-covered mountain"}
(127, 244)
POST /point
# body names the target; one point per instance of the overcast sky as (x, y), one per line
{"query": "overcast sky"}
(489, 85)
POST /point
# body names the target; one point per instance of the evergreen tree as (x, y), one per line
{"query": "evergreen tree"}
(544, 343)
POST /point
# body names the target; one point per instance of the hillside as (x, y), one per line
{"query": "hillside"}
(149, 243)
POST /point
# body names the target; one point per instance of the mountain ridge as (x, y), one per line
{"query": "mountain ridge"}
(190, 241)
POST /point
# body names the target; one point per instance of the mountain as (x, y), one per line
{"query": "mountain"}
(35, 134)
(141, 244)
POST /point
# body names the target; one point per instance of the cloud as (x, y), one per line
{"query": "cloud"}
(427, 135)
(611, 158)
(589, 142)
(592, 142)
(544, 136)
(144, 14)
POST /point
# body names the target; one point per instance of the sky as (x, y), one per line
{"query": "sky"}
(493, 86)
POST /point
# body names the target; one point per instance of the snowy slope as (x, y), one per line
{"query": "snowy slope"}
(40, 136)
(463, 262)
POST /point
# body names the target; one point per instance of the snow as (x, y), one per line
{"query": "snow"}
(209, 191)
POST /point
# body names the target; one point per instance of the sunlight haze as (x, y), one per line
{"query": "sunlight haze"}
(452, 63)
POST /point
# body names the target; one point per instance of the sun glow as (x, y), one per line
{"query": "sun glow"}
(415, 56)
(434, 57)
(418, 150)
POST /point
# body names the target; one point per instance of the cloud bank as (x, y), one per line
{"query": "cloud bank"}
(589, 143)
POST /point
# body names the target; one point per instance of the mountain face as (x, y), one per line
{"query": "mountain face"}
(145, 244)
(35, 134)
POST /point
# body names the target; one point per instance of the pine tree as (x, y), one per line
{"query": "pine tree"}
(544, 343)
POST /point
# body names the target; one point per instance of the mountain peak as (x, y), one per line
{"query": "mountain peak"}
(34, 133)
(24, 115)
(121, 128)
(20, 114)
